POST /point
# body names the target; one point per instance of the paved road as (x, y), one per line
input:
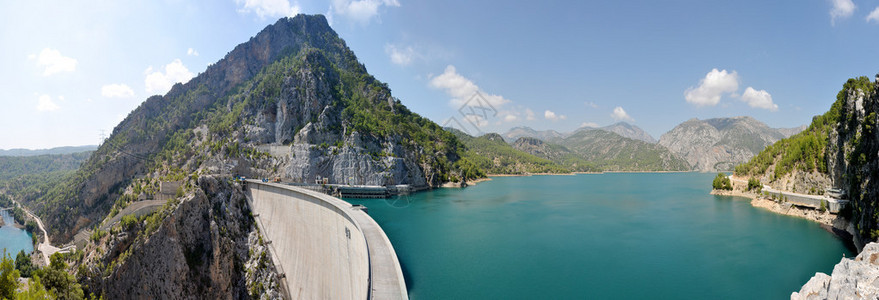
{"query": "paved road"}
(45, 247)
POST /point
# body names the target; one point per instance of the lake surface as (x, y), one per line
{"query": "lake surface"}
(13, 239)
(599, 236)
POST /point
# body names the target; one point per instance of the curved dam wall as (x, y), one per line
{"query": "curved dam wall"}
(325, 247)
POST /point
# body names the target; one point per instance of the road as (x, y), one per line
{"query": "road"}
(45, 247)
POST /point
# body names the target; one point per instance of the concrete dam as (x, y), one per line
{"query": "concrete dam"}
(323, 247)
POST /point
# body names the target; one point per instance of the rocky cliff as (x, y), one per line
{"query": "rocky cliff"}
(719, 144)
(852, 150)
(294, 88)
(856, 278)
(206, 247)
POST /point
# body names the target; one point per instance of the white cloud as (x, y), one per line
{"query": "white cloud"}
(550, 115)
(400, 55)
(359, 10)
(759, 99)
(160, 83)
(462, 89)
(511, 118)
(712, 87)
(620, 114)
(45, 103)
(591, 104)
(269, 8)
(529, 114)
(53, 62)
(841, 9)
(874, 16)
(117, 91)
(191, 52)
(589, 124)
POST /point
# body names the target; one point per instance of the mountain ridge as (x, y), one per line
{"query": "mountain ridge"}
(718, 144)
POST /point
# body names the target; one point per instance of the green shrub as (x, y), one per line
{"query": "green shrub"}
(721, 182)
(754, 184)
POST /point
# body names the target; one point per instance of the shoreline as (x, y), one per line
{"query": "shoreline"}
(578, 173)
(833, 223)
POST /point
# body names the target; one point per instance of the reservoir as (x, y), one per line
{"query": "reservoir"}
(13, 239)
(599, 236)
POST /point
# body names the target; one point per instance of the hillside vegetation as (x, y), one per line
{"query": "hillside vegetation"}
(609, 151)
(491, 154)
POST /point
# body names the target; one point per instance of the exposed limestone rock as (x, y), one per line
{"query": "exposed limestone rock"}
(851, 279)
(719, 144)
(207, 248)
(852, 159)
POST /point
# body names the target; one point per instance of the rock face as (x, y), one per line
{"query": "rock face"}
(719, 144)
(853, 153)
(199, 252)
(629, 131)
(851, 279)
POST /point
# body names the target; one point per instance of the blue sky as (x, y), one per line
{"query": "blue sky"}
(72, 70)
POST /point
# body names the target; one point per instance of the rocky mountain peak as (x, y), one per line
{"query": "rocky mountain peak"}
(630, 131)
(719, 144)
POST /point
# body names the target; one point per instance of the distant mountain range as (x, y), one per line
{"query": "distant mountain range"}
(720, 144)
(493, 155)
(610, 151)
(706, 145)
(586, 149)
(621, 128)
(57, 150)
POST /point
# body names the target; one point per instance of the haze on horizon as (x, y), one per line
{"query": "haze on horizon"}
(73, 71)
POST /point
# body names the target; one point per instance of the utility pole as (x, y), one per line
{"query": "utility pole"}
(103, 137)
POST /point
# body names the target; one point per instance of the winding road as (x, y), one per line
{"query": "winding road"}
(45, 247)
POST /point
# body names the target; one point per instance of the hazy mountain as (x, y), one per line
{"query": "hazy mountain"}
(523, 131)
(787, 132)
(57, 150)
(622, 128)
(604, 150)
(493, 155)
(721, 143)
(630, 131)
(15, 166)
(556, 153)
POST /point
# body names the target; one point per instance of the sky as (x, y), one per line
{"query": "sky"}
(70, 71)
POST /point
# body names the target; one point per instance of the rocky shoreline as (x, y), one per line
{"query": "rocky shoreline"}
(856, 278)
(831, 222)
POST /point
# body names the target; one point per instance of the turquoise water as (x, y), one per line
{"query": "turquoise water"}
(13, 239)
(599, 236)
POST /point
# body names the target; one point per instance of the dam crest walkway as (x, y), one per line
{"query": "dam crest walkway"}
(324, 247)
